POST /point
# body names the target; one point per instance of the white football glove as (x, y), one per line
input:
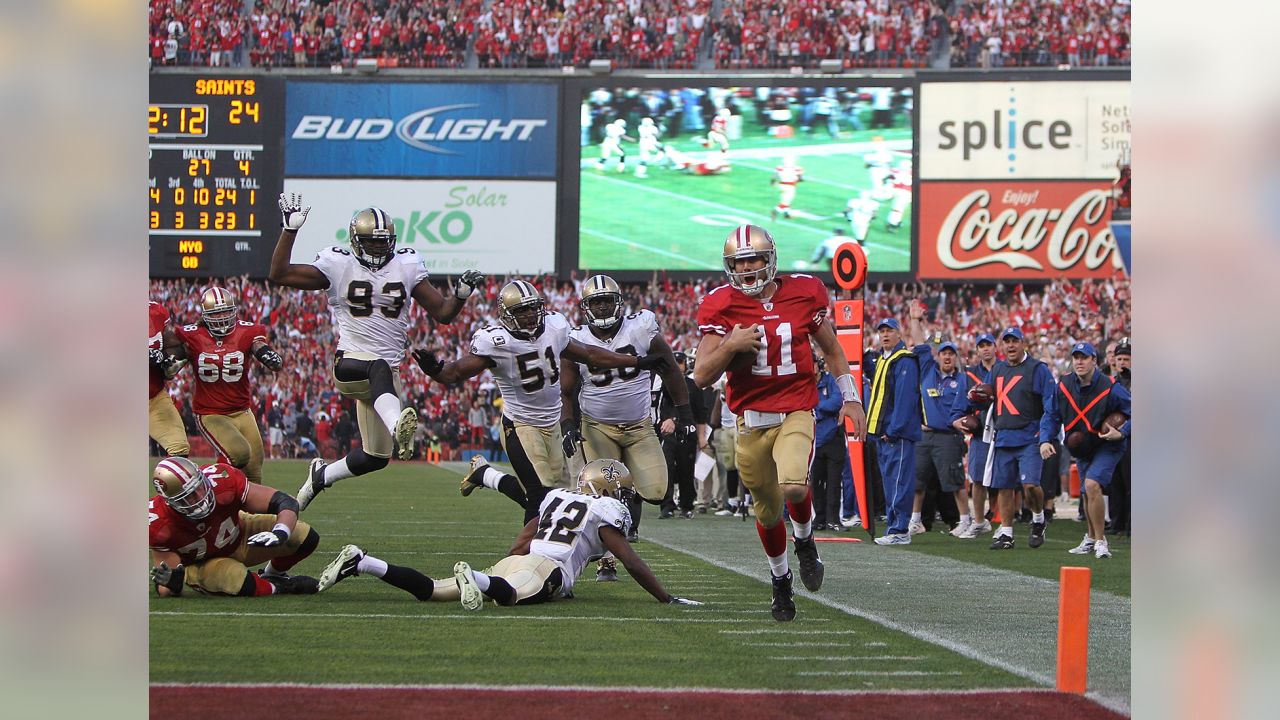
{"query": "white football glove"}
(292, 214)
(470, 280)
(268, 538)
(682, 601)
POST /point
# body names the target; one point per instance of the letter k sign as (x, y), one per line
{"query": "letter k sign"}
(1002, 395)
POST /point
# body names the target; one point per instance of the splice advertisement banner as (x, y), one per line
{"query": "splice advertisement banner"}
(1015, 179)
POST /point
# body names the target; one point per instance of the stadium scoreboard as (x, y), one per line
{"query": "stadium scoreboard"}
(215, 160)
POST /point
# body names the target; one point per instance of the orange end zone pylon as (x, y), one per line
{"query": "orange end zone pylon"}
(1073, 629)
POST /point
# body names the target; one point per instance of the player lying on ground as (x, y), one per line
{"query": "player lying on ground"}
(208, 525)
(573, 529)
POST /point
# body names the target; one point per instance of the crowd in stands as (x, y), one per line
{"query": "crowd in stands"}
(301, 398)
(657, 34)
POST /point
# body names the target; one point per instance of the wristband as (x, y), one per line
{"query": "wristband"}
(281, 531)
(848, 391)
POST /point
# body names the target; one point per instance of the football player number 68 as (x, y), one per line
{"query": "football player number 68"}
(231, 370)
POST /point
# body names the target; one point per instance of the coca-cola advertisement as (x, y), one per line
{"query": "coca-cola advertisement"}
(1035, 230)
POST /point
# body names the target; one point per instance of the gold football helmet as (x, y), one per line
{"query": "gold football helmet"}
(218, 310)
(750, 241)
(606, 477)
(373, 237)
(601, 301)
(184, 487)
(521, 309)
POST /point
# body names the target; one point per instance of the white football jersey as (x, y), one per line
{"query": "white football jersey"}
(568, 531)
(371, 307)
(617, 395)
(527, 371)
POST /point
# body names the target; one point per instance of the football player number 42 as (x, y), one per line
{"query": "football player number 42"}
(785, 366)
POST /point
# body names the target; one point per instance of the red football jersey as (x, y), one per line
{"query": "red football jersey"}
(719, 124)
(157, 316)
(780, 378)
(217, 535)
(221, 366)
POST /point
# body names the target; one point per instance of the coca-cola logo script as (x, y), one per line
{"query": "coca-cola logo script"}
(1030, 230)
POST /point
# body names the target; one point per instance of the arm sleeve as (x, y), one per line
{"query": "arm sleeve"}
(415, 269)
(961, 405)
(924, 356)
(482, 344)
(1049, 397)
(711, 320)
(327, 262)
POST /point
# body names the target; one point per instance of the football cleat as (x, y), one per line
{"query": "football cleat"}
(633, 535)
(1002, 542)
(1037, 535)
(294, 584)
(406, 426)
(346, 565)
(783, 607)
(1084, 548)
(314, 484)
(472, 480)
(811, 569)
(470, 595)
(607, 571)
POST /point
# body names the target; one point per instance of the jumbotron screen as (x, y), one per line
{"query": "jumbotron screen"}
(666, 174)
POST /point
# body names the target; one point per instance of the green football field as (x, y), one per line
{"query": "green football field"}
(927, 617)
(678, 221)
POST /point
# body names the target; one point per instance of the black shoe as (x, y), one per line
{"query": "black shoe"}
(702, 510)
(1037, 535)
(1048, 515)
(1002, 542)
(666, 515)
(607, 570)
(783, 608)
(686, 514)
(633, 536)
(811, 569)
(294, 584)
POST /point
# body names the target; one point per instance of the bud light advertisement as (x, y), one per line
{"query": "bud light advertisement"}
(421, 130)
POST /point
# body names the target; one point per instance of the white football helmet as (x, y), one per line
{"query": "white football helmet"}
(647, 122)
(601, 301)
(620, 122)
(606, 477)
(218, 311)
(522, 309)
(724, 112)
(750, 241)
(184, 487)
(373, 237)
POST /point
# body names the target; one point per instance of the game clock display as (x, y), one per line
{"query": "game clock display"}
(215, 171)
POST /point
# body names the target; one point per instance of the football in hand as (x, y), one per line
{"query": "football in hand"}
(1116, 420)
(969, 423)
(982, 393)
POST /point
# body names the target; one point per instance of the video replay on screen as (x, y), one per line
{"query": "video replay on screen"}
(667, 173)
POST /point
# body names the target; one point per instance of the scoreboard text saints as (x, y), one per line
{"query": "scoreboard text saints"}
(215, 172)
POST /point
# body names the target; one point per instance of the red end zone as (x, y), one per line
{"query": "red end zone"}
(532, 703)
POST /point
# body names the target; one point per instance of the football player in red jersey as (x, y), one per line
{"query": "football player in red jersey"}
(164, 422)
(219, 349)
(757, 330)
(208, 525)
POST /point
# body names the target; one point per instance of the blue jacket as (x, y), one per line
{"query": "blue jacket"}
(894, 406)
(937, 391)
(1119, 399)
(1043, 385)
(828, 410)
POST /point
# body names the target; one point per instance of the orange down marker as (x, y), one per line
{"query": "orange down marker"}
(1073, 629)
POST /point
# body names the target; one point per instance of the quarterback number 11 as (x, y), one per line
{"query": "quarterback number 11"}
(786, 366)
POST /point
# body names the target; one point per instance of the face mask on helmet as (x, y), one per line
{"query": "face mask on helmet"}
(218, 311)
(184, 487)
(606, 477)
(373, 237)
(523, 309)
(747, 243)
(601, 301)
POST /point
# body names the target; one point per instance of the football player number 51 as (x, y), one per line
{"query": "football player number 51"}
(786, 366)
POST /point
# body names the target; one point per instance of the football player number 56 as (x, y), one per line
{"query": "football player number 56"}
(786, 366)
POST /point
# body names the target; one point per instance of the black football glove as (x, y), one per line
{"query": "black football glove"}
(269, 358)
(171, 578)
(157, 357)
(686, 429)
(572, 438)
(470, 280)
(654, 363)
(428, 361)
